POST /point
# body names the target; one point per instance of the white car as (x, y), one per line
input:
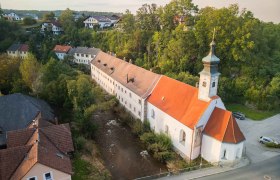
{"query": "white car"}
(265, 140)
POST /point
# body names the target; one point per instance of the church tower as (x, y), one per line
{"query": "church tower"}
(209, 76)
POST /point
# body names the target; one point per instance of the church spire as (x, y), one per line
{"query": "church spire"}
(209, 76)
(211, 58)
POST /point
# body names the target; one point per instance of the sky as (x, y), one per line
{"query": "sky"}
(266, 10)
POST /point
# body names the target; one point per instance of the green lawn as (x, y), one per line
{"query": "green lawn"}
(251, 113)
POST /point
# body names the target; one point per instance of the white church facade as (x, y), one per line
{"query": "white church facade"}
(194, 118)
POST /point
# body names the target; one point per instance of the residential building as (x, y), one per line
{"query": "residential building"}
(61, 51)
(97, 21)
(57, 28)
(129, 83)
(17, 111)
(18, 50)
(54, 27)
(194, 118)
(83, 55)
(38, 153)
(12, 16)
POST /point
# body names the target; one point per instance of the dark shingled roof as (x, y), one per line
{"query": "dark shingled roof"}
(14, 47)
(17, 111)
(84, 50)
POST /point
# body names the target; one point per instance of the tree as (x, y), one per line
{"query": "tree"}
(9, 68)
(29, 21)
(49, 16)
(29, 69)
(128, 22)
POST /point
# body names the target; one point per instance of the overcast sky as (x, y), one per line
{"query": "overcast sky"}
(266, 10)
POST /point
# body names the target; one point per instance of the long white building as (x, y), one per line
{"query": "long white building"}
(195, 118)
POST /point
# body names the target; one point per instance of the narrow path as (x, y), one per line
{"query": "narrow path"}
(120, 150)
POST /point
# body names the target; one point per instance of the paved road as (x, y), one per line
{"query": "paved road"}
(268, 169)
(253, 130)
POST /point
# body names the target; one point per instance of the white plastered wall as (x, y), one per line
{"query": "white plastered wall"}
(159, 122)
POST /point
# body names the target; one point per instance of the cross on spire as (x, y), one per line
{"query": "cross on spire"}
(214, 33)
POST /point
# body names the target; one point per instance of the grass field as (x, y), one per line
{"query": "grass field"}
(251, 113)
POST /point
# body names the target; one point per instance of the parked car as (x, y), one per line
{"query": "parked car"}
(265, 140)
(239, 115)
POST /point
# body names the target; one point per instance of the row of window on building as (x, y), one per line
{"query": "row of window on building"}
(46, 176)
(84, 55)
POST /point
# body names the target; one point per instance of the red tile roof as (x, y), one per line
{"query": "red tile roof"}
(24, 47)
(10, 159)
(47, 145)
(223, 127)
(61, 49)
(178, 100)
(143, 80)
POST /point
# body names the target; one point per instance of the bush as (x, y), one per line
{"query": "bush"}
(80, 142)
(272, 145)
(159, 144)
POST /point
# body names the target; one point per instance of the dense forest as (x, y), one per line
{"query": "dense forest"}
(173, 39)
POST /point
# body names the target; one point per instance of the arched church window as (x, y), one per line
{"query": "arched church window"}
(204, 84)
(225, 154)
(153, 113)
(182, 138)
(213, 84)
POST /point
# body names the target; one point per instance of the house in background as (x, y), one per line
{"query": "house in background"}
(54, 27)
(18, 50)
(194, 118)
(97, 21)
(17, 111)
(61, 51)
(12, 16)
(83, 55)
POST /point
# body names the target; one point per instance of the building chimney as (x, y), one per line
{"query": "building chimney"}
(124, 58)
(151, 69)
(130, 61)
(127, 78)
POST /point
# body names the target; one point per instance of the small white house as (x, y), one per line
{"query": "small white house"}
(18, 50)
(100, 21)
(84, 55)
(54, 27)
(12, 16)
(61, 51)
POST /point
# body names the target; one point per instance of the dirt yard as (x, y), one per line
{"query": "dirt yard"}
(121, 150)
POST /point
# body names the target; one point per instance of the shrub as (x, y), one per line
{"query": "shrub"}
(137, 127)
(159, 144)
(272, 145)
(80, 142)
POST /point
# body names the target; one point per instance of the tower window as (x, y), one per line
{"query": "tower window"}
(204, 84)
(213, 84)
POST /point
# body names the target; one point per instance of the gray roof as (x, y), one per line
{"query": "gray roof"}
(14, 47)
(84, 50)
(17, 111)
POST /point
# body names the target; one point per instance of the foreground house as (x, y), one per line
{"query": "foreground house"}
(17, 111)
(194, 118)
(61, 51)
(18, 50)
(83, 55)
(37, 153)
